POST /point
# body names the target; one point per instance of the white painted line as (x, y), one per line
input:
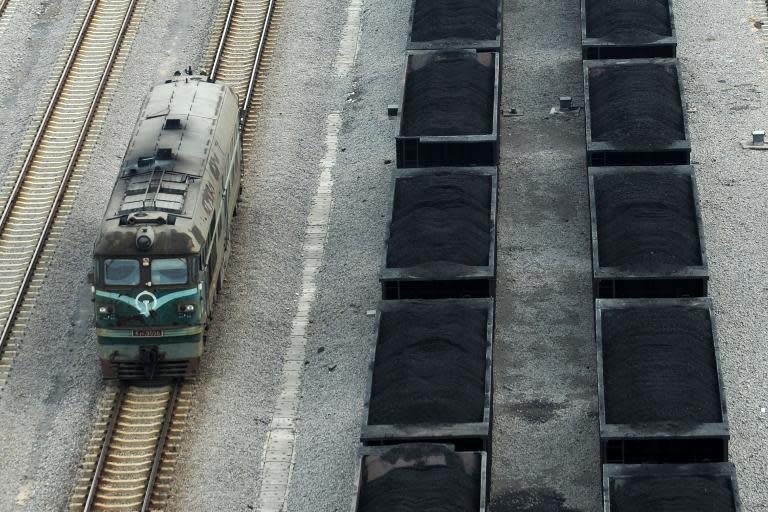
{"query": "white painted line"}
(280, 449)
(348, 48)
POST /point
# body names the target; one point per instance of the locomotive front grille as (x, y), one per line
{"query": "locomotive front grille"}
(137, 370)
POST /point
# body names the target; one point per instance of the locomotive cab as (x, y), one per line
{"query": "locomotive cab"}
(149, 310)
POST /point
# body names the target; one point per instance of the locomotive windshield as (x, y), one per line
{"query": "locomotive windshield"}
(121, 272)
(169, 271)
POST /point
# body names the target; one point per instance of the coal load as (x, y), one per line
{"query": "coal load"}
(659, 366)
(637, 105)
(422, 478)
(440, 218)
(689, 493)
(429, 365)
(450, 93)
(646, 221)
(436, 20)
(628, 21)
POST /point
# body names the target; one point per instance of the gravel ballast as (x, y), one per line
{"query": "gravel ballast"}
(440, 218)
(659, 366)
(724, 72)
(635, 104)
(429, 365)
(646, 221)
(450, 93)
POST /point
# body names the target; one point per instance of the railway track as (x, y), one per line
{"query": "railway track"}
(132, 455)
(39, 190)
(243, 53)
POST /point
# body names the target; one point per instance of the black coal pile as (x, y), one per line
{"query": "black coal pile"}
(452, 94)
(659, 365)
(646, 221)
(628, 21)
(678, 493)
(429, 366)
(443, 218)
(435, 20)
(636, 104)
(425, 486)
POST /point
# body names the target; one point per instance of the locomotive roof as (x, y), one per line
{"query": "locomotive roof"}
(170, 177)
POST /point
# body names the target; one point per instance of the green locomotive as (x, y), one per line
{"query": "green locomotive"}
(159, 259)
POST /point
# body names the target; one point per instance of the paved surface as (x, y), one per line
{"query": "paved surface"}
(546, 454)
(545, 432)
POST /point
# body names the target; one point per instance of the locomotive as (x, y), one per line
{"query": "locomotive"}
(165, 237)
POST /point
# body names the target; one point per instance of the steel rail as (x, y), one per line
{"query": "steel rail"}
(47, 115)
(5, 334)
(104, 449)
(259, 55)
(259, 49)
(3, 5)
(161, 441)
(222, 40)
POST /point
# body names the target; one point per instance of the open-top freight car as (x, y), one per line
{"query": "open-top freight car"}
(165, 235)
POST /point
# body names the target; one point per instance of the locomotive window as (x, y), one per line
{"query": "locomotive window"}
(169, 271)
(121, 272)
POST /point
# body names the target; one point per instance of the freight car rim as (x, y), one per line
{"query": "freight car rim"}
(683, 274)
(604, 153)
(391, 278)
(474, 435)
(666, 431)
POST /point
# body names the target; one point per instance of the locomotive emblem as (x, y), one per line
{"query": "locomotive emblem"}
(146, 301)
(144, 306)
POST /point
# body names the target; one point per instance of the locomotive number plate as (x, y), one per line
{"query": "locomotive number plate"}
(147, 333)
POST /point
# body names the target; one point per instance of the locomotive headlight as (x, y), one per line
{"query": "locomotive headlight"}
(186, 308)
(106, 310)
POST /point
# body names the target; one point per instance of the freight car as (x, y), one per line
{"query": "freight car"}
(159, 258)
